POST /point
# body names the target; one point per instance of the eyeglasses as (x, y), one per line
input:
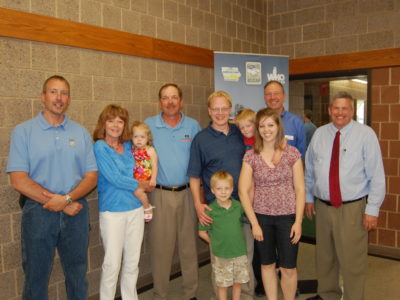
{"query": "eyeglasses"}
(220, 109)
(55, 92)
(166, 98)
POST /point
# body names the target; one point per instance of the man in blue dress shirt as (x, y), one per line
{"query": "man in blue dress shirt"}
(342, 232)
(52, 164)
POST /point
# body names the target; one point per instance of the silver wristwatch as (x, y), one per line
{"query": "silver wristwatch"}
(68, 199)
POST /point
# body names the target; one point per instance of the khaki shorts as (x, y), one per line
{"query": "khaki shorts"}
(230, 270)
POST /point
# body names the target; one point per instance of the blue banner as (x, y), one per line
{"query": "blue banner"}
(243, 76)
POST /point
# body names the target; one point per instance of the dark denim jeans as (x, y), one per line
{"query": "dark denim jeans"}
(42, 232)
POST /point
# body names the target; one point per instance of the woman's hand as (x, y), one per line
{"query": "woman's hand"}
(257, 233)
(295, 233)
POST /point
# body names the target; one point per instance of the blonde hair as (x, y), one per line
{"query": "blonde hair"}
(111, 112)
(220, 176)
(219, 94)
(246, 115)
(145, 128)
(260, 117)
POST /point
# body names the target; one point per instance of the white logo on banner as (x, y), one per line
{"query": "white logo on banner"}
(275, 76)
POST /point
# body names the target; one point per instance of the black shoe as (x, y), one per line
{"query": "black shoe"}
(259, 290)
(194, 298)
(316, 297)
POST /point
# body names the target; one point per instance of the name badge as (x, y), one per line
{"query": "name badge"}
(289, 137)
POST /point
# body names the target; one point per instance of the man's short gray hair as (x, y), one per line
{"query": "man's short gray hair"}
(342, 94)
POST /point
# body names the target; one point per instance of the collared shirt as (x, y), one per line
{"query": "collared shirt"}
(294, 131)
(54, 157)
(212, 151)
(115, 183)
(227, 238)
(173, 148)
(361, 170)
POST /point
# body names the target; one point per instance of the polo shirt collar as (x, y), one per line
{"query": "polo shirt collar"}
(234, 204)
(161, 123)
(232, 128)
(284, 112)
(45, 125)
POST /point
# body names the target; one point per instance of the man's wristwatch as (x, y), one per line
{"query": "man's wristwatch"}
(68, 199)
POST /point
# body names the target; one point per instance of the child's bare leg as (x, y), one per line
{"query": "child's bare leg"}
(148, 209)
(142, 196)
(236, 288)
(222, 293)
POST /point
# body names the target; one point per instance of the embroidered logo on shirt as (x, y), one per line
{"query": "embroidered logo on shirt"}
(186, 138)
(71, 143)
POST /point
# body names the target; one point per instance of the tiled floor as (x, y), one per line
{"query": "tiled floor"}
(382, 284)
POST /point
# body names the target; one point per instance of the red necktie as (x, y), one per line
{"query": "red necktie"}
(334, 185)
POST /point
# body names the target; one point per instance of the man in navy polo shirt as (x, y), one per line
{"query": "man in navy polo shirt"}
(51, 163)
(174, 220)
(218, 147)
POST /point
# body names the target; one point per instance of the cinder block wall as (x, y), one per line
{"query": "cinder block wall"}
(99, 78)
(313, 27)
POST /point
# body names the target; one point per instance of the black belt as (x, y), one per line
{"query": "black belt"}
(327, 202)
(175, 188)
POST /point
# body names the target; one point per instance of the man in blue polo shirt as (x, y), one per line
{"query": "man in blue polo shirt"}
(51, 163)
(274, 96)
(218, 147)
(174, 221)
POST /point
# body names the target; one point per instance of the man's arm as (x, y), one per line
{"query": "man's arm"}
(23, 184)
(57, 202)
(301, 139)
(375, 173)
(201, 207)
(309, 180)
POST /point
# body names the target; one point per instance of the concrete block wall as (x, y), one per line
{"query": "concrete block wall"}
(99, 78)
(314, 28)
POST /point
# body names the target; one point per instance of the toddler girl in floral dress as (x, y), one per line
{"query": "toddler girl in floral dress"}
(146, 163)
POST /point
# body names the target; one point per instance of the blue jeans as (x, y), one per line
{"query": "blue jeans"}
(42, 231)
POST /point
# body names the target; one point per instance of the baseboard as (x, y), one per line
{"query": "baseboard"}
(384, 252)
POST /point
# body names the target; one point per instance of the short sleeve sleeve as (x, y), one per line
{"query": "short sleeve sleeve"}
(293, 155)
(18, 159)
(249, 158)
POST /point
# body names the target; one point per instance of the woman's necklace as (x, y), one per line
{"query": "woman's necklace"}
(115, 147)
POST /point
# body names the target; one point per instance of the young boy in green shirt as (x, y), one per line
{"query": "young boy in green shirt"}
(225, 235)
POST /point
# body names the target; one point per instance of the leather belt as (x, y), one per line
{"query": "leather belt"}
(327, 202)
(175, 188)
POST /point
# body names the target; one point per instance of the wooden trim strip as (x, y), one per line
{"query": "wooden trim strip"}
(343, 62)
(27, 26)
